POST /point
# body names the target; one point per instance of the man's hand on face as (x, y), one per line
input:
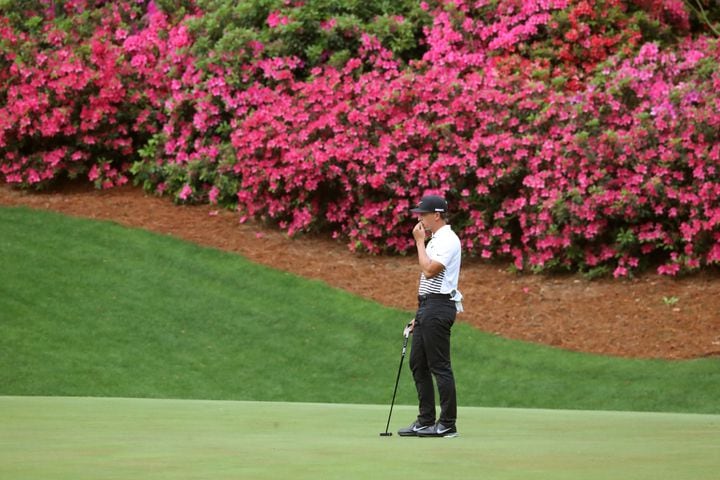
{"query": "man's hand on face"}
(419, 232)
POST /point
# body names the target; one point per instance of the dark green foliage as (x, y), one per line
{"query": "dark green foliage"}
(315, 31)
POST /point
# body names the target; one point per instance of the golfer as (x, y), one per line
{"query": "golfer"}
(438, 303)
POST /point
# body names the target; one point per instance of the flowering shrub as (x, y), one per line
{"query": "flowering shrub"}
(315, 32)
(566, 134)
(73, 102)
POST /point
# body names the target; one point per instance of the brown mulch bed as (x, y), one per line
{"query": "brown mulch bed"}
(628, 318)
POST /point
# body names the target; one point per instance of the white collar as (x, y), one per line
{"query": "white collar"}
(440, 231)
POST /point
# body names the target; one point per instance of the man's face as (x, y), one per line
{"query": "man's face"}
(428, 220)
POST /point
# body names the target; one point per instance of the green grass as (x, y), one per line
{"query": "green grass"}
(107, 438)
(95, 309)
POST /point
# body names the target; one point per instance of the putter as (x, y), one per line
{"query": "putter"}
(406, 335)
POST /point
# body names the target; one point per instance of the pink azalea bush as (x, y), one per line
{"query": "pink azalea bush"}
(562, 136)
(76, 104)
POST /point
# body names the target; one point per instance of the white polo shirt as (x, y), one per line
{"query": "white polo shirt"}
(444, 248)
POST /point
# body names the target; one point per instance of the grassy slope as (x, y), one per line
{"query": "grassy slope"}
(95, 309)
(82, 438)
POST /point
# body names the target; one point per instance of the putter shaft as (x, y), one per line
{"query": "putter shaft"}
(397, 380)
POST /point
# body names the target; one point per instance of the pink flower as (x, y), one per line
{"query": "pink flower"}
(328, 24)
(139, 61)
(620, 272)
(185, 192)
(669, 269)
(276, 18)
(213, 194)
(152, 8)
(33, 176)
(93, 174)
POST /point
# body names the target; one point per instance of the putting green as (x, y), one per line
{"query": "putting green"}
(109, 438)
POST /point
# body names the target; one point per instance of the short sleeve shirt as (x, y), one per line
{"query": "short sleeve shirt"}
(444, 248)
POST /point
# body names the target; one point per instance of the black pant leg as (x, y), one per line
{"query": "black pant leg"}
(435, 322)
(423, 378)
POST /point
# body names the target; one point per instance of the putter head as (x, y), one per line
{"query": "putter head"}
(386, 434)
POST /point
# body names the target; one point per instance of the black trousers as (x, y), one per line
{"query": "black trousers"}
(430, 356)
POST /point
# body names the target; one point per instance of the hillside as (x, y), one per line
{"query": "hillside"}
(649, 316)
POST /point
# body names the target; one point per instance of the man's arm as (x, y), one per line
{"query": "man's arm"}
(429, 267)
